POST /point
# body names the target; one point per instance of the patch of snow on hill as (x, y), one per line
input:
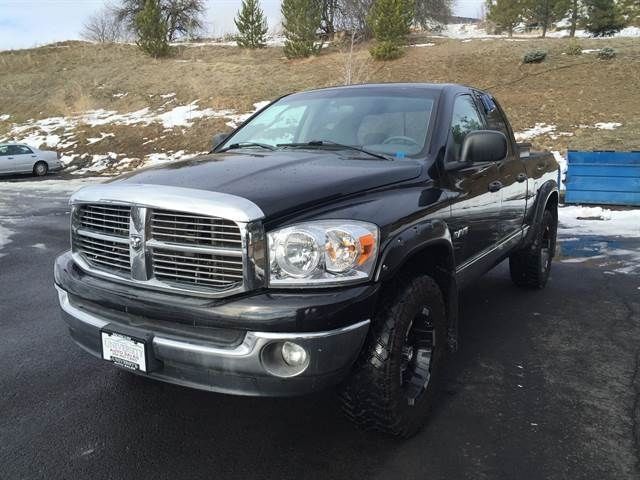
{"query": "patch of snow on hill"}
(92, 140)
(537, 130)
(236, 120)
(160, 158)
(39, 132)
(473, 30)
(607, 125)
(5, 117)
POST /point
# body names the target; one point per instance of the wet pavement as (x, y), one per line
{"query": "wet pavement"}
(546, 384)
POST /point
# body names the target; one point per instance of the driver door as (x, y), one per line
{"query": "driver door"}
(476, 204)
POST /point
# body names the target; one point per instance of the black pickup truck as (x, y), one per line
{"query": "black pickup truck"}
(322, 243)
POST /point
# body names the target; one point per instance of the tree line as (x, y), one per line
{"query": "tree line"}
(598, 17)
(308, 24)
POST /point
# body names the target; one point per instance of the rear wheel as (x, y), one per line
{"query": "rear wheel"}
(394, 383)
(40, 169)
(531, 266)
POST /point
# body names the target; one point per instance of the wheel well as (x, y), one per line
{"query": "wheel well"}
(436, 260)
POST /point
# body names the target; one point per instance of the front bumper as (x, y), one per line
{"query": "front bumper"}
(228, 362)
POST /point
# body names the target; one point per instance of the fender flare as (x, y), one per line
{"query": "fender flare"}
(403, 245)
(535, 217)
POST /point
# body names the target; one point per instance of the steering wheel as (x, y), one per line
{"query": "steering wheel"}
(401, 140)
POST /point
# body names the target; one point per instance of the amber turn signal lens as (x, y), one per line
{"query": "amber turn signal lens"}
(367, 243)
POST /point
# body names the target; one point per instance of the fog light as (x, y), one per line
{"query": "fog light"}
(293, 354)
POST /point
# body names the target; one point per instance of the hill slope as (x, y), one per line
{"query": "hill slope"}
(110, 105)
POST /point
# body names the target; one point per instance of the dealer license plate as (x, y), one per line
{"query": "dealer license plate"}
(124, 351)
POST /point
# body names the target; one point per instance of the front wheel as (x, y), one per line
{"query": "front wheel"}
(531, 266)
(40, 169)
(394, 383)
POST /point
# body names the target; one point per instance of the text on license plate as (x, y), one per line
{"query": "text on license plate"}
(124, 351)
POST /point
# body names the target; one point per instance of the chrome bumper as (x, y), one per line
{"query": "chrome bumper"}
(240, 369)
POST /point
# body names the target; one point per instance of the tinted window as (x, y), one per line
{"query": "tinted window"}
(20, 149)
(465, 119)
(495, 118)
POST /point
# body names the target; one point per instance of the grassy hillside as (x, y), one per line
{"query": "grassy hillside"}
(74, 77)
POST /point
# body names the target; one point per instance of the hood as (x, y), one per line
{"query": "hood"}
(278, 181)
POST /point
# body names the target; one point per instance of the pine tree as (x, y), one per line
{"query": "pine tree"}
(604, 18)
(506, 14)
(151, 30)
(544, 13)
(251, 24)
(301, 20)
(390, 22)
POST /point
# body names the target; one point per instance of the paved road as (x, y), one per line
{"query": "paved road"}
(546, 386)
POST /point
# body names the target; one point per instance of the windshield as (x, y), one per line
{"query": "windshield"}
(387, 123)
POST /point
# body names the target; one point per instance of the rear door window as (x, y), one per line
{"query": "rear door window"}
(22, 150)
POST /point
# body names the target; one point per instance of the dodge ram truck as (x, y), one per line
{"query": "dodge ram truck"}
(321, 244)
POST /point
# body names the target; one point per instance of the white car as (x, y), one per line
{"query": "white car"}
(21, 158)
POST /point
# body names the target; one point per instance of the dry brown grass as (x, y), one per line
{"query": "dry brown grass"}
(565, 90)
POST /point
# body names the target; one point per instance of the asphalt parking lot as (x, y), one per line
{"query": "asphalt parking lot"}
(546, 386)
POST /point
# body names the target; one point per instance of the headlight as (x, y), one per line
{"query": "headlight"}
(322, 253)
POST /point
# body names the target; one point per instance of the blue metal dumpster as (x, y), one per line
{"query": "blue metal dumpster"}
(611, 178)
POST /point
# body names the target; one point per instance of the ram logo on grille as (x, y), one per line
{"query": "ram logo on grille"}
(160, 247)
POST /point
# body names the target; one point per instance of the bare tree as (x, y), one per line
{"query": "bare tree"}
(183, 17)
(351, 16)
(103, 27)
(356, 69)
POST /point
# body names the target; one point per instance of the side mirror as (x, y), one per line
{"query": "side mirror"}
(217, 139)
(483, 146)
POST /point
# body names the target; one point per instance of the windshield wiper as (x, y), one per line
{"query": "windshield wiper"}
(235, 146)
(329, 143)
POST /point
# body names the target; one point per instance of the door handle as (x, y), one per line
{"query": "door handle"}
(9, 158)
(521, 177)
(495, 186)
(34, 156)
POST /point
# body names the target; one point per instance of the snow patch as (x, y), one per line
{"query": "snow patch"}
(423, 45)
(168, 95)
(120, 95)
(607, 125)
(537, 130)
(5, 117)
(165, 157)
(92, 140)
(600, 221)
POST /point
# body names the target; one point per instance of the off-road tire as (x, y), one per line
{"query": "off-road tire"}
(40, 169)
(374, 396)
(531, 266)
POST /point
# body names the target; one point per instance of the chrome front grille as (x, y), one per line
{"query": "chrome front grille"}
(209, 270)
(160, 248)
(188, 229)
(107, 219)
(103, 253)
